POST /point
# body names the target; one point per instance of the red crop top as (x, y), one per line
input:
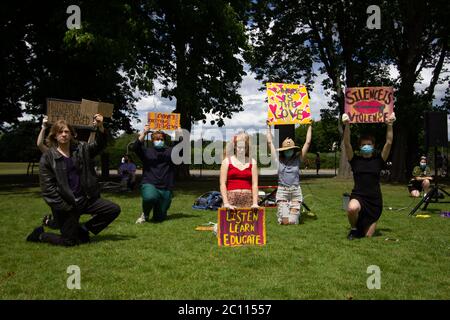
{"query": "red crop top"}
(239, 179)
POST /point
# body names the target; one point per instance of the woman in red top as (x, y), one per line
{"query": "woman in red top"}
(239, 175)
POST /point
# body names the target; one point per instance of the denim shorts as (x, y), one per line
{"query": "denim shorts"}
(289, 198)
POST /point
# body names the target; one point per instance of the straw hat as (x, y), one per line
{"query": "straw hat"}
(287, 144)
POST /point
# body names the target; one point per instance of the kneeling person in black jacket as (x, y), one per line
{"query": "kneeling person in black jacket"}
(69, 186)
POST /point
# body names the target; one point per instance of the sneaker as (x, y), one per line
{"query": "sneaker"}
(353, 234)
(35, 235)
(141, 219)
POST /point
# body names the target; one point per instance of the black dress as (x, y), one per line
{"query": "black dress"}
(366, 175)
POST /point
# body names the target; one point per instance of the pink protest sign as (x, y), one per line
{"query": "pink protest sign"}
(369, 104)
(241, 227)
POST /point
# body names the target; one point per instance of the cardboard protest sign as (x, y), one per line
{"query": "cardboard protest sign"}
(75, 112)
(288, 104)
(67, 110)
(93, 107)
(369, 104)
(241, 227)
(163, 121)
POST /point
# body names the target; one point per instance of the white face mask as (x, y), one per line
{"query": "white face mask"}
(123, 160)
(159, 144)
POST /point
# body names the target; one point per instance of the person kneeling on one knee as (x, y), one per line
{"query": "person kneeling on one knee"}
(289, 193)
(158, 174)
(366, 203)
(69, 186)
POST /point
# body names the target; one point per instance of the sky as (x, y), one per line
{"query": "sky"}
(254, 115)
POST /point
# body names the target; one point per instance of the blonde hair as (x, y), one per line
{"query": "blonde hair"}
(57, 127)
(230, 149)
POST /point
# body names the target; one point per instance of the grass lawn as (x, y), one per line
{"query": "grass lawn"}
(171, 260)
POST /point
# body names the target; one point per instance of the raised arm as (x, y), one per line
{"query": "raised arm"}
(389, 137)
(41, 137)
(307, 143)
(273, 151)
(99, 142)
(138, 146)
(347, 142)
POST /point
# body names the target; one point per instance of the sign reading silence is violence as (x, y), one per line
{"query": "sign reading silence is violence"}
(77, 113)
(163, 121)
(288, 104)
(369, 104)
(241, 227)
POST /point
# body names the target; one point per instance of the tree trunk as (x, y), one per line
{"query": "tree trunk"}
(399, 151)
(344, 171)
(182, 94)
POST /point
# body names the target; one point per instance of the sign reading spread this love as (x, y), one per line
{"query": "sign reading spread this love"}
(369, 104)
(288, 104)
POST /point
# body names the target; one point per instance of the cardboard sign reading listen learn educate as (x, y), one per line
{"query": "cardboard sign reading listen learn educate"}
(369, 104)
(241, 227)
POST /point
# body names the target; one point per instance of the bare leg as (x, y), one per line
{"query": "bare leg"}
(353, 212)
(371, 230)
(415, 193)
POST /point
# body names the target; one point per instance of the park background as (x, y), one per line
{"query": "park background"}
(208, 60)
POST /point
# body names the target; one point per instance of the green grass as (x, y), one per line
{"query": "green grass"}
(171, 260)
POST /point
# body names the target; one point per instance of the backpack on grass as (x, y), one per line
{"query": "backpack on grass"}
(211, 200)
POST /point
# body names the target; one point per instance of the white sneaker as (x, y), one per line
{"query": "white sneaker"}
(141, 219)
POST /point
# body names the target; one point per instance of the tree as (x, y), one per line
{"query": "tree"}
(100, 61)
(292, 39)
(13, 71)
(335, 34)
(417, 34)
(201, 47)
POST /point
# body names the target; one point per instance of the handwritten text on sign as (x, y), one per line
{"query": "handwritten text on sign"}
(369, 104)
(163, 121)
(288, 104)
(75, 112)
(241, 227)
(67, 110)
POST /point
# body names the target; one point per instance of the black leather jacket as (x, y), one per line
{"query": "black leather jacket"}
(53, 175)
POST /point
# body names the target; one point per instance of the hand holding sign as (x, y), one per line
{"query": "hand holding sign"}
(98, 121)
(45, 122)
(229, 206)
(345, 119)
(391, 119)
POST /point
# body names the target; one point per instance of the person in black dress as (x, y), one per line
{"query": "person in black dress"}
(366, 202)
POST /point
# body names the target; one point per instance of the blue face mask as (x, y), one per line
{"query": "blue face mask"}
(366, 149)
(158, 144)
(288, 153)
